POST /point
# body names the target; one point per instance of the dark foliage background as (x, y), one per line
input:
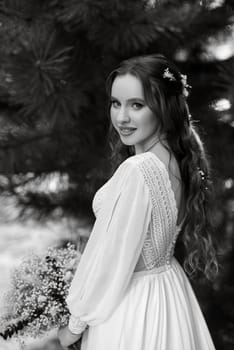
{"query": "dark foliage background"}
(54, 154)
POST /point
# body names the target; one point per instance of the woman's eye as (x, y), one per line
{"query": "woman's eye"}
(137, 105)
(115, 103)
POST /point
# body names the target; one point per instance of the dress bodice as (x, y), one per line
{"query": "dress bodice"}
(162, 232)
(135, 230)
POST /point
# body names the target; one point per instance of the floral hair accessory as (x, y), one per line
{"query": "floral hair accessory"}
(186, 86)
(202, 174)
(204, 177)
(183, 78)
(168, 75)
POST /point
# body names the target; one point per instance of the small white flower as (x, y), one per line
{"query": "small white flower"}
(184, 79)
(68, 276)
(42, 299)
(71, 264)
(31, 287)
(168, 75)
(185, 91)
(53, 311)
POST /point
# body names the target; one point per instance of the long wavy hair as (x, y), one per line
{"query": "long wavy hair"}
(166, 99)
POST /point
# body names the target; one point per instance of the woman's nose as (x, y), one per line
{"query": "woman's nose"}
(123, 115)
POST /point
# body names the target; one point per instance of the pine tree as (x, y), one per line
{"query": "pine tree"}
(54, 58)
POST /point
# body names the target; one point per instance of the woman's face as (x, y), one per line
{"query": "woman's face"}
(131, 117)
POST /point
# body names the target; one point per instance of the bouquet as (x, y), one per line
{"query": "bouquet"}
(36, 301)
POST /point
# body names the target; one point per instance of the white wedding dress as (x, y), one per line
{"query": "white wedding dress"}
(129, 291)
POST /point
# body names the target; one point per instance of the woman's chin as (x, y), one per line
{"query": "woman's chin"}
(126, 141)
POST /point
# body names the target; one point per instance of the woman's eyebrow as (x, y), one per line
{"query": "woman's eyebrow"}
(136, 99)
(130, 99)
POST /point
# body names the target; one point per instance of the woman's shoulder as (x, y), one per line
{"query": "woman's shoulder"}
(147, 160)
(143, 165)
(132, 167)
(133, 163)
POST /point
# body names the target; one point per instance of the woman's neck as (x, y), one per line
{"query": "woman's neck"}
(149, 144)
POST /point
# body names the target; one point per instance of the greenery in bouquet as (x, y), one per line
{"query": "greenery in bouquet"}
(36, 301)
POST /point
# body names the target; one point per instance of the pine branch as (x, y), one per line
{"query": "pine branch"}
(38, 70)
(96, 16)
(41, 195)
(77, 15)
(225, 78)
(41, 149)
(132, 27)
(23, 9)
(133, 34)
(190, 22)
(10, 35)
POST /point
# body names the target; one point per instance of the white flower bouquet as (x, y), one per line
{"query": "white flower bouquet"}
(36, 301)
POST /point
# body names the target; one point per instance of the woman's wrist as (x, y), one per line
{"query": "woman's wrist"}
(66, 337)
(75, 325)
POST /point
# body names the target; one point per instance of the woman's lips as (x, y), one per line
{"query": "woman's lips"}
(126, 131)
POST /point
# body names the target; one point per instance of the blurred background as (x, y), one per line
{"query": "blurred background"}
(54, 153)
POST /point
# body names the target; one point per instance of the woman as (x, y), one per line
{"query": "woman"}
(129, 291)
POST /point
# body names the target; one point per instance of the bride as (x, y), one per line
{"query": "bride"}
(129, 291)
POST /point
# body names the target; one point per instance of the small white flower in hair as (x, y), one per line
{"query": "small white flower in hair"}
(168, 75)
(183, 78)
(185, 84)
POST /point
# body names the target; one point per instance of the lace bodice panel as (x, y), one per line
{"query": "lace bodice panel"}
(161, 237)
(162, 232)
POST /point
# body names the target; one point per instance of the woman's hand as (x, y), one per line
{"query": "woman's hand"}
(66, 337)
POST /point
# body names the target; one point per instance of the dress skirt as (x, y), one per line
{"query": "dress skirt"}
(159, 311)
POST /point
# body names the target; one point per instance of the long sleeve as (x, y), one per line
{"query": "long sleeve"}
(112, 250)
